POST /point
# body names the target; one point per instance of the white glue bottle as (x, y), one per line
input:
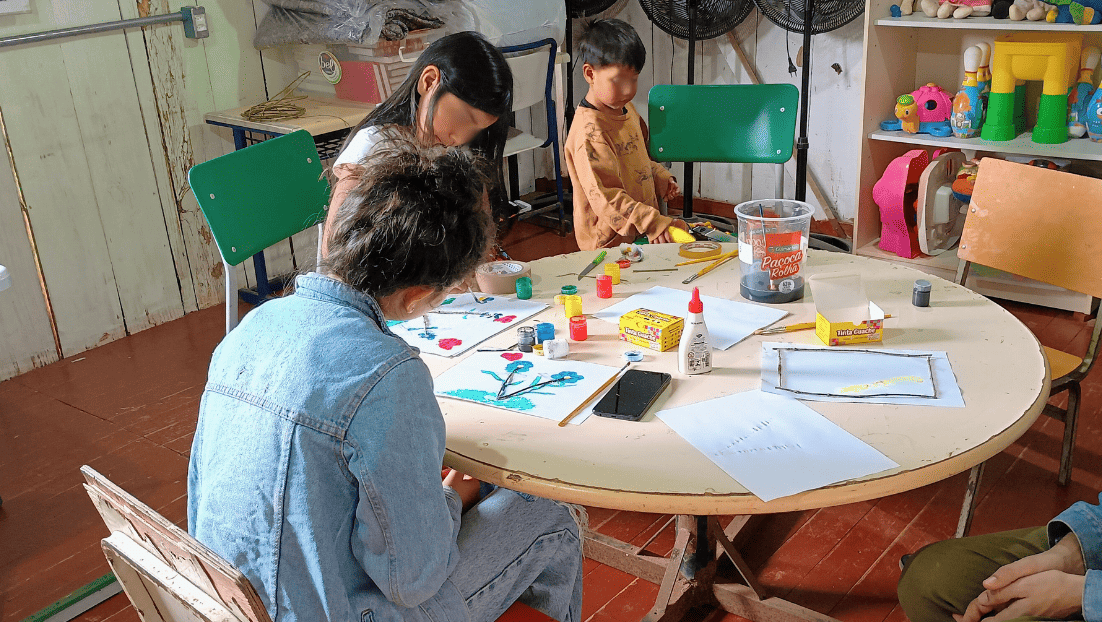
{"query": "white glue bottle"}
(694, 354)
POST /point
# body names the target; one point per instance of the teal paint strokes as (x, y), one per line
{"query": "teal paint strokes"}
(474, 395)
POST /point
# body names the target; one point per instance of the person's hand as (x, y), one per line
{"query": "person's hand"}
(672, 191)
(1042, 585)
(665, 236)
(465, 485)
(1050, 595)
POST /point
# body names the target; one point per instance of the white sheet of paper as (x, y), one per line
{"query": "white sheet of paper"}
(729, 322)
(479, 377)
(772, 444)
(854, 374)
(454, 333)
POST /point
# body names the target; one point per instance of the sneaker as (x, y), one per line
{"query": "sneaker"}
(904, 560)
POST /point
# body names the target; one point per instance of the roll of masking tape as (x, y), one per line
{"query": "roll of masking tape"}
(500, 277)
(700, 250)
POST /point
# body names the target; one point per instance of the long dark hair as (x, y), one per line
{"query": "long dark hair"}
(417, 216)
(474, 71)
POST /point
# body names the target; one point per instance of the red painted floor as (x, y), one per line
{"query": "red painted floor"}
(128, 409)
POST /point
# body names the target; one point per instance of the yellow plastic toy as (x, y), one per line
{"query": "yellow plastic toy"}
(1049, 56)
(681, 236)
(906, 110)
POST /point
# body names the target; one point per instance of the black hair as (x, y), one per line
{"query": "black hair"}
(417, 216)
(607, 42)
(474, 71)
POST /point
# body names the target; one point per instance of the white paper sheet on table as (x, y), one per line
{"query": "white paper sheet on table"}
(479, 377)
(854, 374)
(772, 444)
(729, 322)
(455, 332)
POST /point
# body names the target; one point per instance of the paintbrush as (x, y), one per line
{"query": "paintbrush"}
(587, 400)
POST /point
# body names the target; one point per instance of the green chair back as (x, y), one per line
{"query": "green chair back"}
(753, 123)
(259, 195)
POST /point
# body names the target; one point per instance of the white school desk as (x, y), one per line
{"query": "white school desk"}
(646, 467)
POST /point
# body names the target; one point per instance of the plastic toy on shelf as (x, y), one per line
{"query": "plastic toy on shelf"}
(1094, 116)
(940, 212)
(966, 180)
(967, 115)
(929, 105)
(1079, 95)
(958, 9)
(1075, 12)
(1049, 56)
(896, 195)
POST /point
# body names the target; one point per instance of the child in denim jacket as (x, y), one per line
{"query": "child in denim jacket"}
(316, 463)
(1042, 573)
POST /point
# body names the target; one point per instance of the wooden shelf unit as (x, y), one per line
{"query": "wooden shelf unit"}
(904, 53)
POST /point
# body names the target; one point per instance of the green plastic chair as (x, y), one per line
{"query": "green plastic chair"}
(739, 123)
(257, 196)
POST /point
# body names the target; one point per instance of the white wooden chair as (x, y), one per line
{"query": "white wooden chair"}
(168, 575)
(533, 68)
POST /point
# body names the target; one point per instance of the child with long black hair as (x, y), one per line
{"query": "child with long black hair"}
(458, 92)
(316, 463)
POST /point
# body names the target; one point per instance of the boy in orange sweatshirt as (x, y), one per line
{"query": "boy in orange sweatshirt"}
(616, 184)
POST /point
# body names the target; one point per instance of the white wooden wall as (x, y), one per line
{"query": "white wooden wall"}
(102, 129)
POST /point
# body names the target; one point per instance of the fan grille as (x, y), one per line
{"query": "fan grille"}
(826, 15)
(587, 8)
(713, 17)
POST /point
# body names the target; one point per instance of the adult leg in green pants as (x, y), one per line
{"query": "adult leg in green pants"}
(944, 577)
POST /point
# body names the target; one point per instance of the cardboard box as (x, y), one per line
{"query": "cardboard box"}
(843, 312)
(651, 329)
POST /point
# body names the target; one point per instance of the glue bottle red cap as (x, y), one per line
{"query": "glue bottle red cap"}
(695, 305)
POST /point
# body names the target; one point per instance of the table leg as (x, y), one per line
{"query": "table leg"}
(688, 578)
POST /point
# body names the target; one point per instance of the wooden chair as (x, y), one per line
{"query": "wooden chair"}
(255, 197)
(171, 577)
(1039, 224)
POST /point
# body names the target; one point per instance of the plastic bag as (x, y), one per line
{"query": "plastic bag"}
(512, 22)
(357, 22)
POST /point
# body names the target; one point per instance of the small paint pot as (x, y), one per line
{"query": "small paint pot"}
(526, 338)
(579, 329)
(604, 286)
(544, 331)
(624, 264)
(524, 288)
(569, 290)
(538, 349)
(613, 270)
(633, 356)
(555, 349)
(920, 297)
(573, 306)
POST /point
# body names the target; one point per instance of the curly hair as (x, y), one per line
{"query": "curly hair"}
(417, 216)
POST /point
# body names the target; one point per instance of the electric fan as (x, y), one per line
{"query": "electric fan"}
(694, 20)
(576, 9)
(808, 17)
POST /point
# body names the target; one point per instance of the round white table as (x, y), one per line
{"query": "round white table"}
(645, 467)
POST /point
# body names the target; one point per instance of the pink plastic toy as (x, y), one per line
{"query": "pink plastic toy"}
(896, 194)
(934, 103)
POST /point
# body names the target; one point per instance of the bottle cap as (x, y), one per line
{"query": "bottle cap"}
(922, 285)
(695, 305)
(569, 290)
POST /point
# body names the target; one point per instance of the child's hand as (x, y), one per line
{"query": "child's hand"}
(672, 191)
(465, 485)
(665, 236)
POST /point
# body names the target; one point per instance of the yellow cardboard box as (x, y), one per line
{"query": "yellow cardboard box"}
(651, 329)
(843, 312)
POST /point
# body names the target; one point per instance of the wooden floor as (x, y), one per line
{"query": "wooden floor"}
(128, 409)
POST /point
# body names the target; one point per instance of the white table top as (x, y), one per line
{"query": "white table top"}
(323, 115)
(644, 466)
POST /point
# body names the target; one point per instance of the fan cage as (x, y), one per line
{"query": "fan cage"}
(826, 15)
(713, 17)
(588, 8)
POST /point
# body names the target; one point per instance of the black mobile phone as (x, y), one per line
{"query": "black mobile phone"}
(632, 395)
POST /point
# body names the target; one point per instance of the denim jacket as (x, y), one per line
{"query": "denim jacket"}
(1086, 521)
(315, 467)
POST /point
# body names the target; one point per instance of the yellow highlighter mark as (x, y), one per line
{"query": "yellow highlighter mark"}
(857, 388)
